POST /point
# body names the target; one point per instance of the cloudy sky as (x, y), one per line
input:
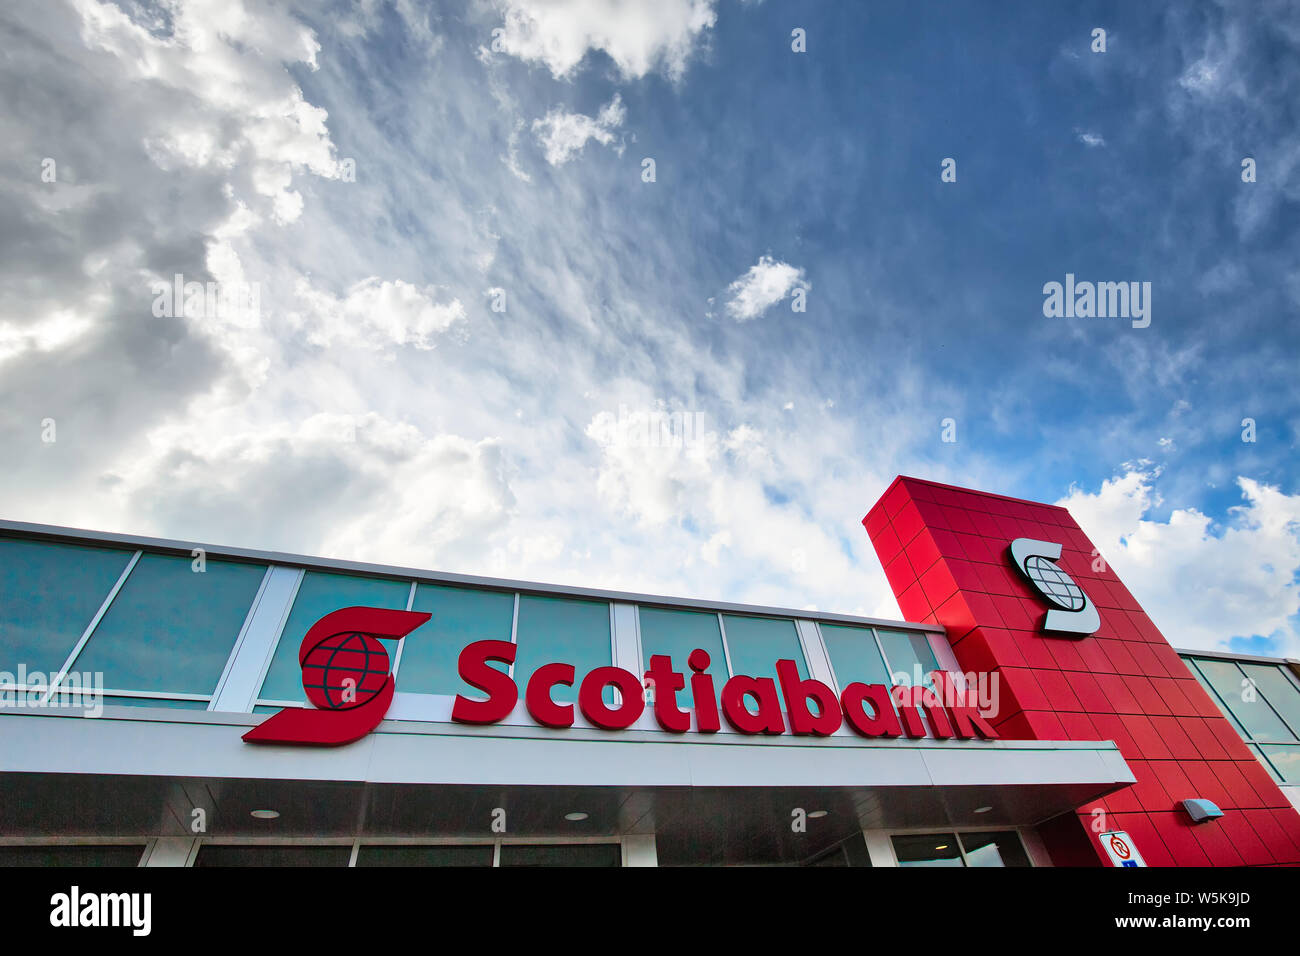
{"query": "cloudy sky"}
(483, 245)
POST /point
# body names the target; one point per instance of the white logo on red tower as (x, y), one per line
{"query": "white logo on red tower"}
(1071, 611)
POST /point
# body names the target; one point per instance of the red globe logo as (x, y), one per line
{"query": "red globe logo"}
(345, 670)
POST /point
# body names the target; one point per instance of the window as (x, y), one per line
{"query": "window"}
(461, 616)
(51, 593)
(564, 631)
(1263, 702)
(675, 634)
(855, 655)
(910, 657)
(398, 854)
(562, 854)
(982, 848)
(67, 854)
(319, 594)
(211, 854)
(171, 628)
(755, 644)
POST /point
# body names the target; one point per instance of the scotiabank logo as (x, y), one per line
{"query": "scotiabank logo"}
(1072, 612)
(346, 675)
(751, 705)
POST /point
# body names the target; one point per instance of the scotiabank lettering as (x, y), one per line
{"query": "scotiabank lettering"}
(872, 710)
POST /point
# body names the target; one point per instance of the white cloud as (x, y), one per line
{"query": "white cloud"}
(766, 283)
(639, 35)
(376, 313)
(1201, 587)
(564, 134)
(1091, 139)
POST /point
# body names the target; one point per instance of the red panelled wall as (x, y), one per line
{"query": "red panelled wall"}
(944, 551)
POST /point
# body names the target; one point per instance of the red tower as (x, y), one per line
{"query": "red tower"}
(945, 551)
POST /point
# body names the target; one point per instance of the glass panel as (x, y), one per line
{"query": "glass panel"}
(676, 634)
(1285, 759)
(1278, 690)
(757, 643)
(1002, 848)
(320, 593)
(910, 656)
(156, 702)
(562, 854)
(854, 655)
(395, 854)
(461, 616)
(1214, 696)
(51, 592)
(71, 855)
(290, 855)
(1255, 715)
(171, 628)
(927, 849)
(564, 631)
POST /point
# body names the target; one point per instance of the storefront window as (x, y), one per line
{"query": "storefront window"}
(928, 849)
(461, 616)
(561, 854)
(565, 631)
(116, 854)
(51, 593)
(397, 854)
(211, 854)
(172, 628)
(757, 643)
(980, 848)
(319, 594)
(675, 634)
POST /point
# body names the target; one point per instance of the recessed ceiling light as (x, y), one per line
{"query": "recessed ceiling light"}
(577, 816)
(817, 814)
(265, 814)
(983, 809)
(942, 846)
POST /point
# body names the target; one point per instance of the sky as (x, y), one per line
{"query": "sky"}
(658, 295)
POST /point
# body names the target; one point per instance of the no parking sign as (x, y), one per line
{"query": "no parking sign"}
(1119, 847)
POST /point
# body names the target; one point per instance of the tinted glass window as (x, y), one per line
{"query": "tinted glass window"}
(676, 634)
(300, 855)
(71, 855)
(401, 855)
(1277, 689)
(1285, 759)
(757, 643)
(558, 630)
(461, 616)
(927, 849)
(319, 594)
(854, 655)
(562, 854)
(910, 656)
(1244, 700)
(51, 592)
(1001, 848)
(171, 628)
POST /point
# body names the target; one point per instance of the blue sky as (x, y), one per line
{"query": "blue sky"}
(376, 406)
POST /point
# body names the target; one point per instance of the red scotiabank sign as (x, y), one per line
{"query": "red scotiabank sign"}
(872, 710)
(346, 676)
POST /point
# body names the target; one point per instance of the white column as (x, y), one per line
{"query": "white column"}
(170, 851)
(640, 850)
(880, 848)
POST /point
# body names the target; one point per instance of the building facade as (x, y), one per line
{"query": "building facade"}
(501, 723)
